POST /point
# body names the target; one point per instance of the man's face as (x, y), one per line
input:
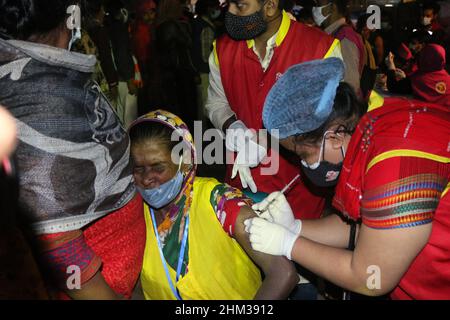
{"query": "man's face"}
(244, 7)
(428, 13)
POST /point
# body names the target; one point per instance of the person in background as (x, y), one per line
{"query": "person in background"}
(94, 19)
(400, 66)
(431, 82)
(392, 170)
(142, 33)
(173, 77)
(196, 244)
(76, 190)
(117, 25)
(331, 16)
(418, 40)
(203, 35)
(369, 73)
(93, 12)
(430, 22)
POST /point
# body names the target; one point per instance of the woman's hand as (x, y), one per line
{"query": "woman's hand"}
(275, 208)
(270, 238)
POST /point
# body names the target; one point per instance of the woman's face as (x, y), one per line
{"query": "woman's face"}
(153, 164)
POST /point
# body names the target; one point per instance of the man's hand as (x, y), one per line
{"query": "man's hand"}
(390, 61)
(275, 208)
(249, 153)
(132, 88)
(270, 238)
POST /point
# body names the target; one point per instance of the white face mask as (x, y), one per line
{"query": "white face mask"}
(426, 21)
(318, 17)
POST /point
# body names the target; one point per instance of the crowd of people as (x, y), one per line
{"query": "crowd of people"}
(96, 203)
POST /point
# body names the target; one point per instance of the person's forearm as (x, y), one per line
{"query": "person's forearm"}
(280, 275)
(331, 231)
(94, 289)
(280, 279)
(217, 106)
(333, 264)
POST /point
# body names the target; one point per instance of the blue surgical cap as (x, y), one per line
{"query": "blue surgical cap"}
(303, 98)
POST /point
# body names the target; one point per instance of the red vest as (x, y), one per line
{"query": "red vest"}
(246, 86)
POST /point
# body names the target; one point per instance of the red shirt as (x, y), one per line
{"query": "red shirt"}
(396, 175)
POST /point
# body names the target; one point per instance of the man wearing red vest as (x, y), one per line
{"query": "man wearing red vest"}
(262, 42)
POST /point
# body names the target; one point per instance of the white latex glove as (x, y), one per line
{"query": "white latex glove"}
(270, 238)
(276, 208)
(249, 153)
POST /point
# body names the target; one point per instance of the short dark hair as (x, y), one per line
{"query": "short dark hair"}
(342, 6)
(431, 5)
(347, 109)
(281, 3)
(362, 21)
(421, 36)
(20, 19)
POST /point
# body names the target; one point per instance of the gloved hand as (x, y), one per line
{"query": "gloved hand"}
(270, 238)
(249, 153)
(275, 208)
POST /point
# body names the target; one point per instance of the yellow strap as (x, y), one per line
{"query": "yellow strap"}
(333, 46)
(405, 153)
(284, 29)
(375, 101)
(216, 56)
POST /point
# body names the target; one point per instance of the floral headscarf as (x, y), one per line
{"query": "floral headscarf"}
(183, 201)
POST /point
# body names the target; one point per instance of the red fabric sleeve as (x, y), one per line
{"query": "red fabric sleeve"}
(227, 202)
(402, 192)
(67, 249)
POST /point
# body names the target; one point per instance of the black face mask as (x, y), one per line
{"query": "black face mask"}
(325, 175)
(245, 27)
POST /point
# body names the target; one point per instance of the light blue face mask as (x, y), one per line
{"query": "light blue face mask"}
(164, 194)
